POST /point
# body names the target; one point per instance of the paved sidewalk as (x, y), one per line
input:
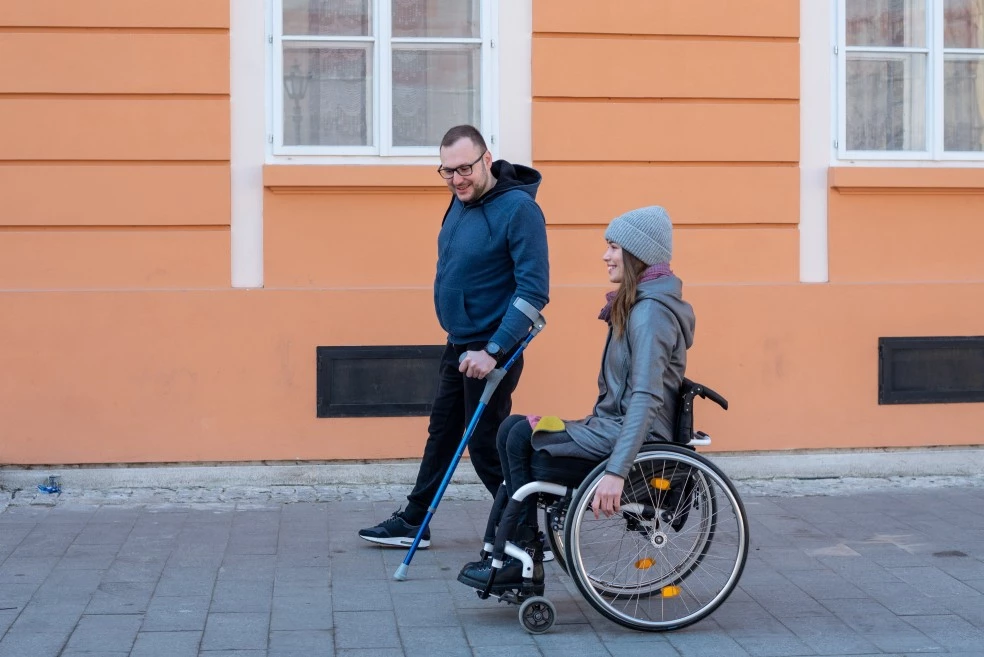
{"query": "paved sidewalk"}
(896, 571)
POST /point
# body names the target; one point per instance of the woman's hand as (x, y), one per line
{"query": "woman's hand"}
(608, 495)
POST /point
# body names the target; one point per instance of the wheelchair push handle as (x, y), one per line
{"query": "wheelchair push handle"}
(690, 389)
(707, 393)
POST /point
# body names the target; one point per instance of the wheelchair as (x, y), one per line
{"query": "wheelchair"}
(668, 559)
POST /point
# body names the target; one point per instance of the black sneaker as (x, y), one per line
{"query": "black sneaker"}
(396, 532)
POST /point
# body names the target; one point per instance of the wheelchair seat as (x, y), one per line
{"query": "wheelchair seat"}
(565, 470)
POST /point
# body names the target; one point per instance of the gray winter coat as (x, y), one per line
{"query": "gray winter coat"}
(641, 373)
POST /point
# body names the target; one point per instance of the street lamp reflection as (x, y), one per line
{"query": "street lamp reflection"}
(296, 87)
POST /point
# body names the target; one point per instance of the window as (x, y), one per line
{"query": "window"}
(379, 78)
(911, 79)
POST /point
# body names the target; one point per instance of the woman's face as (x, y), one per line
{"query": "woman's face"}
(613, 258)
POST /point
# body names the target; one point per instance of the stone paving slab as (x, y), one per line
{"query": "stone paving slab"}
(836, 567)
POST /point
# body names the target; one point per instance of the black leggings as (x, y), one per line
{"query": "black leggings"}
(514, 442)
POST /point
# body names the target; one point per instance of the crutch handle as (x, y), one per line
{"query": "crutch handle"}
(492, 380)
(491, 383)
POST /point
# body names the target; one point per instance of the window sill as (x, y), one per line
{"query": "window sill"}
(313, 179)
(906, 180)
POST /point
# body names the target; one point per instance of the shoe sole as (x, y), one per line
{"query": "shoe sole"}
(397, 542)
(497, 589)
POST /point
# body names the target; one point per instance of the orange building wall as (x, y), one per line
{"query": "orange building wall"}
(229, 376)
(645, 103)
(892, 225)
(115, 162)
(121, 339)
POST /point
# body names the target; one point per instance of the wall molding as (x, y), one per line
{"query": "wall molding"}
(320, 179)
(906, 180)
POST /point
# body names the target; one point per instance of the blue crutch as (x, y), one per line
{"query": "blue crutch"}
(492, 380)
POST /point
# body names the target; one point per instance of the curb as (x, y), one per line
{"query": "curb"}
(884, 463)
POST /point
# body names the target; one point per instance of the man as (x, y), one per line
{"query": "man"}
(492, 248)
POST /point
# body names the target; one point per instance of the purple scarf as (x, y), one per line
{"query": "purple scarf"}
(650, 274)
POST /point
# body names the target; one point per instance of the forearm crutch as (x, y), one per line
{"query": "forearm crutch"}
(492, 380)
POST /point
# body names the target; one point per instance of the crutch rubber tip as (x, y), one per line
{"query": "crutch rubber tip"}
(401, 573)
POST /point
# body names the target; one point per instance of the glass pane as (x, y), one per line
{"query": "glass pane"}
(886, 102)
(891, 23)
(327, 17)
(963, 104)
(436, 18)
(963, 23)
(434, 89)
(328, 95)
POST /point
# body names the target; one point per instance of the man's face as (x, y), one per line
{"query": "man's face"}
(463, 153)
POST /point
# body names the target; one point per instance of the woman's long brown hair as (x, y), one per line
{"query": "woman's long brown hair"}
(627, 291)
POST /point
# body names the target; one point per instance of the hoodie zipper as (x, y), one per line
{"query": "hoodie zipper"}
(444, 254)
(454, 231)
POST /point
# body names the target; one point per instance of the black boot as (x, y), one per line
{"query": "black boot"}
(483, 562)
(510, 577)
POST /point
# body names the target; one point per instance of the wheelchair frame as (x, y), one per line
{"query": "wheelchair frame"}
(668, 559)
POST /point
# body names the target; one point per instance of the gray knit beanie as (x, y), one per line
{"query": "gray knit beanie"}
(646, 233)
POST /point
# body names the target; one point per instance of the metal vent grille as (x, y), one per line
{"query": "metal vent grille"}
(931, 370)
(377, 381)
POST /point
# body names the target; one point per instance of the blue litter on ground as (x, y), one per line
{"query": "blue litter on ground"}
(51, 486)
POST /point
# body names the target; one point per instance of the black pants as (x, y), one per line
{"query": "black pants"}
(457, 398)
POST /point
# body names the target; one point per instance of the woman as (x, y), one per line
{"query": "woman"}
(642, 367)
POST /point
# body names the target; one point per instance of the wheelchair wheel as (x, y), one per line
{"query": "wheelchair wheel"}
(673, 554)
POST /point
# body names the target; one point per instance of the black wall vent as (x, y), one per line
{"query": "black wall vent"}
(377, 381)
(931, 370)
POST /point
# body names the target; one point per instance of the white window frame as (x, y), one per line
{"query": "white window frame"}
(382, 152)
(934, 154)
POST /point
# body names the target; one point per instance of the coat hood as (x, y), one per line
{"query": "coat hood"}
(668, 290)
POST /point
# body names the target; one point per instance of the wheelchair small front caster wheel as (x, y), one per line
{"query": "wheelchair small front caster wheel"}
(537, 614)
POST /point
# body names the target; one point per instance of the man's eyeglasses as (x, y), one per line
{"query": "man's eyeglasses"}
(463, 170)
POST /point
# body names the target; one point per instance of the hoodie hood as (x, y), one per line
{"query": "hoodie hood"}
(510, 176)
(668, 290)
